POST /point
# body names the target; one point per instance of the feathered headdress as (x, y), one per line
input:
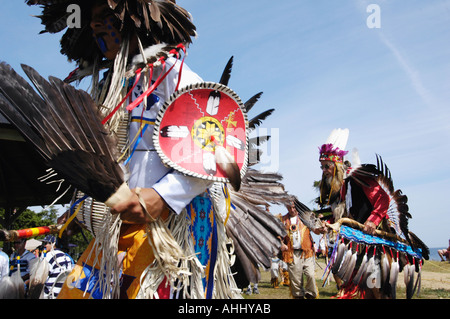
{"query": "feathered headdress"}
(334, 147)
(154, 21)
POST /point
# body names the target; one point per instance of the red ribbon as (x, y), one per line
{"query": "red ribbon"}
(152, 88)
(138, 76)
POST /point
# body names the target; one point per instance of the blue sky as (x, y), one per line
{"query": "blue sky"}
(321, 67)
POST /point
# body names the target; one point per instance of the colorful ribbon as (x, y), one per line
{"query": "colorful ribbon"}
(72, 215)
(137, 78)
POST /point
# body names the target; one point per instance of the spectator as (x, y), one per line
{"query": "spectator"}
(445, 253)
(275, 270)
(298, 252)
(21, 257)
(59, 266)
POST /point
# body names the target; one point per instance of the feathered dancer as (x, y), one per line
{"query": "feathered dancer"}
(153, 24)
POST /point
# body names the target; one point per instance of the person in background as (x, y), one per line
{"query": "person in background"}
(275, 271)
(445, 253)
(298, 252)
(21, 258)
(59, 266)
(4, 264)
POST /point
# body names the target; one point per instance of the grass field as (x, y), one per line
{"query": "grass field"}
(435, 284)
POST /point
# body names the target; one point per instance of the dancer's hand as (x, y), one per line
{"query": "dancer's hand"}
(369, 227)
(132, 210)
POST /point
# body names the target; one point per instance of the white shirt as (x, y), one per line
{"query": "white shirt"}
(146, 168)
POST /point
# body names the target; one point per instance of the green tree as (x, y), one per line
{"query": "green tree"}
(29, 219)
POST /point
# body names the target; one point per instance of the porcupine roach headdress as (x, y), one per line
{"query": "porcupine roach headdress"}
(160, 24)
(154, 21)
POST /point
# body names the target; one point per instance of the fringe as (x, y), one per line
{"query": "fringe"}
(187, 271)
(224, 284)
(171, 261)
(106, 242)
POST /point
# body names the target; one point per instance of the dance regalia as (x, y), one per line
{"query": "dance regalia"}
(193, 220)
(186, 254)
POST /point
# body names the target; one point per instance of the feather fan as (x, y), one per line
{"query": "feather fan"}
(63, 125)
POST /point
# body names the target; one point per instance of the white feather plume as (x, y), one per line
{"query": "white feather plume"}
(339, 138)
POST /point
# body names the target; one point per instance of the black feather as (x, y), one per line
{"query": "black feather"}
(257, 120)
(252, 101)
(227, 72)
